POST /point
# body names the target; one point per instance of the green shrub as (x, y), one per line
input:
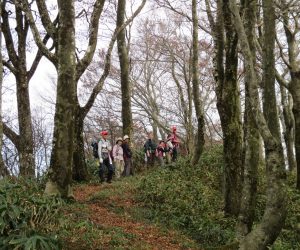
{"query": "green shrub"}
(189, 198)
(138, 160)
(27, 216)
(93, 168)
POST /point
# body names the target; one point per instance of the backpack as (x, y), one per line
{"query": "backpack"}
(95, 149)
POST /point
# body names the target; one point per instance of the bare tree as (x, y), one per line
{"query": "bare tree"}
(290, 18)
(199, 143)
(228, 101)
(17, 65)
(3, 169)
(268, 229)
(124, 66)
(252, 141)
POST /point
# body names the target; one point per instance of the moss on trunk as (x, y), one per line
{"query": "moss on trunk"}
(60, 172)
(199, 142)
(124, 65)
(80, 172)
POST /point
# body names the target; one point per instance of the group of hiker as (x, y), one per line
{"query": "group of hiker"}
(166, 150)
(117, 159)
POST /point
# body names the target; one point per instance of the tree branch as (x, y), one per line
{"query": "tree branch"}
(282, 54)
(37, 58)
(11, 135)
(42, 47)
(46, 21)
(11, 68)
(170, 7)
(6, 30)
(107, 62)
(210, 16)
(93, 34)
(281, 80)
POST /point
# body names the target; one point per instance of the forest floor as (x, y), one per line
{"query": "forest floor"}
(106, 216)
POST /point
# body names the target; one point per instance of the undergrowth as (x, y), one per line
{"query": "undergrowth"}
(178, 196)
(189, 198)
(27, 216)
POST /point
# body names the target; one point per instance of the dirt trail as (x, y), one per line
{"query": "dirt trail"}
(148, 236)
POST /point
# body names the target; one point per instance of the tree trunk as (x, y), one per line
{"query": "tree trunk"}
(80, 172)
(295, 92)
(26, 155)
(199, 142)
(228, 104)
(25, 147)
(269, 98)
(252, 143)
(294, 86)
(190, 128)
(266, 232)
(288, 125)
(60, 173)
(124, 65)
(186, 104)
(3, 170)
(154, 130)
(18, 66)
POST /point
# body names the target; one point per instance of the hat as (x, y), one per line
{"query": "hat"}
(119, 139)
(104, 132)
(126, 137)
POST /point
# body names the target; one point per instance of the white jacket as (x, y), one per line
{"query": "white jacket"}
(104, 148)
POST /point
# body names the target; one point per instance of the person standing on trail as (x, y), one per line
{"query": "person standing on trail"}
(104, 148)
(175, 143)
(128, 170)
(118, 159)
(149, 149)
(160, 152)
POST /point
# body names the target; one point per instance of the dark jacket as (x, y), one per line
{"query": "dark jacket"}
(127, 153)
(150, 145)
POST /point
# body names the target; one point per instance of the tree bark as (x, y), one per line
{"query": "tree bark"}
(230, 115)
(26, 155)
(288, 125)
(199, 142)
(3, 170)
(295, 92)
(80, 172)
(266, 232)
(60, 173)
(269, 99)
(228, 103)
(124, 65)
(252, 140)
(294, 85)
(186, 103)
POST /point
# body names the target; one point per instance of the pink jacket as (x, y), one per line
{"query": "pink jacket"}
(117, 152)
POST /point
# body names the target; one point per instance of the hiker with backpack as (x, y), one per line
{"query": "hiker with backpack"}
(149, 149)
(118, 159)
(104, 148)
(128, 169)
